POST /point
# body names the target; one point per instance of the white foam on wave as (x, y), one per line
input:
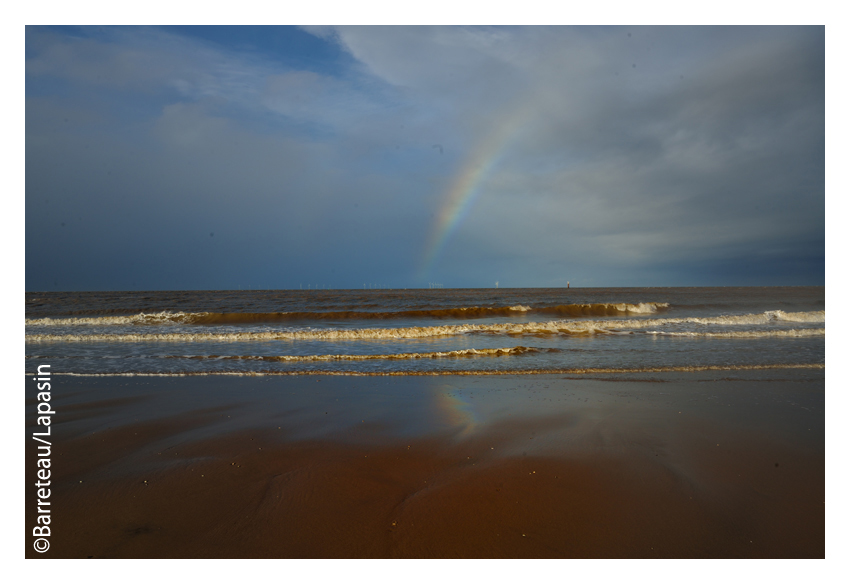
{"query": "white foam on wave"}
(819, 332)
(532, 328)
(459, 353)
(815, 316)
(642, 308)
(136, 319)
(475, 372)
(166, 317)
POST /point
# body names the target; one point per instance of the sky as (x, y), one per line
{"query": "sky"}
(278, 157)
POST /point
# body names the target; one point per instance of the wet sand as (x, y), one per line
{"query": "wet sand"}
(542, 467)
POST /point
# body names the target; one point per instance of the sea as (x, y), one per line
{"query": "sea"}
(480, 331)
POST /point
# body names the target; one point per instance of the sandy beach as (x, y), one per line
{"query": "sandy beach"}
(468, 467)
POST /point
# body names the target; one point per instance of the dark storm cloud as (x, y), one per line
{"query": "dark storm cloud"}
(642, 153)
(718, 155)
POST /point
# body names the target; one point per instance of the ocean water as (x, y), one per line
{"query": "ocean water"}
(426, 332)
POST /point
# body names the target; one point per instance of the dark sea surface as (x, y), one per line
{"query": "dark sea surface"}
(424, 331)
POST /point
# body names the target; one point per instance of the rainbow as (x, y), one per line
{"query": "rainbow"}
(457, 412)
(464, 189)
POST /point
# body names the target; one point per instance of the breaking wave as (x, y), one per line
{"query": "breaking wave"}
(225, 318)
(815, 316)
(548, 371)
(456, 354)
(813, 332)
(556, 327)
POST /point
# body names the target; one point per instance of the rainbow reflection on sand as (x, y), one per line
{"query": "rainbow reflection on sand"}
(457, 412)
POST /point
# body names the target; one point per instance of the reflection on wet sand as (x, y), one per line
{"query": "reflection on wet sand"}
(544, 467)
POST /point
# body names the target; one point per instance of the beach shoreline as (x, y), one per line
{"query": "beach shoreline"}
(548, 466)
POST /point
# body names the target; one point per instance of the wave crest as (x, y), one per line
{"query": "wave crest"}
(565, 327)
(813, 332)
(225, 318)
(456, 354)
(475, 372)
(815, 316)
